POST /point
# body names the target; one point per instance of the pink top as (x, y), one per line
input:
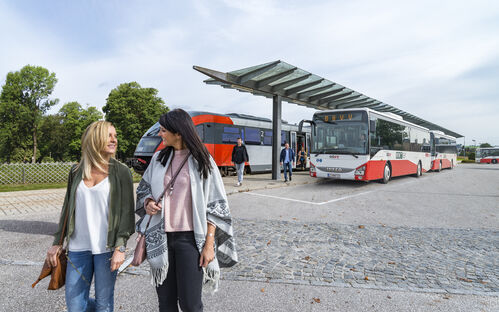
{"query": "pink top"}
(178, 205)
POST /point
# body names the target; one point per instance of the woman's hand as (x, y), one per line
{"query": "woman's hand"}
(52, 254)
(207, 255)
(152, 208)
(117, 260)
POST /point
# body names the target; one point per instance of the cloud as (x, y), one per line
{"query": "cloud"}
(435, 60)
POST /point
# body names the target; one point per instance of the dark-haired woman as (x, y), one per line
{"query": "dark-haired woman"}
(190, 234)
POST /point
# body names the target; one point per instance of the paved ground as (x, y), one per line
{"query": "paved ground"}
(427, 244)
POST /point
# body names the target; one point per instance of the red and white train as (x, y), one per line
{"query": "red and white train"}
(219, 133)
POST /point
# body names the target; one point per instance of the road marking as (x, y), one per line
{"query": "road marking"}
(329, 201)
(277, 197)
(309, 202)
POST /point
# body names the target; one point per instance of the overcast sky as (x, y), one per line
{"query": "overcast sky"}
(438, 60)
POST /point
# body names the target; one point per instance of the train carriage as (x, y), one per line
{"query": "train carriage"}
(219, 133)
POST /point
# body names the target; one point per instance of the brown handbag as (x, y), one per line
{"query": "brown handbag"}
(140, 253)
(57, 273)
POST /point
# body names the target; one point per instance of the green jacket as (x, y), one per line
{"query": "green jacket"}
(121, 205)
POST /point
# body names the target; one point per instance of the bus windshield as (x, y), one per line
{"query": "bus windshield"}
(342, 137)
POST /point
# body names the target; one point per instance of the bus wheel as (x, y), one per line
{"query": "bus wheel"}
(494, 161)
(419, 172)
(439, 166)
(387, 173)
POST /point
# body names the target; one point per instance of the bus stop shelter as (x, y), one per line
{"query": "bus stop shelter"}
(284, 82)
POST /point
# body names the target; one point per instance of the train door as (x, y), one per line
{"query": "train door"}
(293, 145)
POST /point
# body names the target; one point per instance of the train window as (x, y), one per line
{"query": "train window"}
(200, 131)
(231, 130)
(230, 135)
(252, 136)
(267, 137)
(284, 137)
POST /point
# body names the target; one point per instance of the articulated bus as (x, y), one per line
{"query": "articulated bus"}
(219, 133)
(488, 155)
(364, 145)
(443, 151)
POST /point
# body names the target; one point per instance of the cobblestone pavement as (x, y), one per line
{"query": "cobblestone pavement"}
(457, 261)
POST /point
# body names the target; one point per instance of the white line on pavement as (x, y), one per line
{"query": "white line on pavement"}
(329, 201)
(309, 202)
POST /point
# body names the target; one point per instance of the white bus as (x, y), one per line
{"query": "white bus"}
(394, 146)
(488, 155)
(443, 151)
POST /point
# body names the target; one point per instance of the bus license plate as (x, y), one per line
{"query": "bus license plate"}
(333, 175)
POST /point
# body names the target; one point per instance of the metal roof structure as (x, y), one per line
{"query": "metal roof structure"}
(298, 86)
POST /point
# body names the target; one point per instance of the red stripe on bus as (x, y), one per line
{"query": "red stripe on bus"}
(403, 167)
(486, 160)
(199, 119)
(446, 163)
(374, 170)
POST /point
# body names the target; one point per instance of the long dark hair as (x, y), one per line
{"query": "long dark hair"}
(179, 121)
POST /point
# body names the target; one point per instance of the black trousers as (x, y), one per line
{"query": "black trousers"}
(185, 277)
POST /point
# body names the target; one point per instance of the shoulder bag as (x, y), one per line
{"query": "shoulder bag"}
(57, 273)
(140, 253)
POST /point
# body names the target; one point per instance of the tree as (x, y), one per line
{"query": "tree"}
(61, 133)
(485, 145)
(24, 100)
(132, 110)
(75, 120)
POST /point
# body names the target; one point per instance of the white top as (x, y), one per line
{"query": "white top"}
(91, 218)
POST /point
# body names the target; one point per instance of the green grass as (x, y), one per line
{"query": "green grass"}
(468, 161)
(29, 187)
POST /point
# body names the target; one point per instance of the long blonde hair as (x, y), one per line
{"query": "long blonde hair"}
(93, 142)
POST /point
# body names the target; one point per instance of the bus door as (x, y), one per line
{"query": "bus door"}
(293, 145)
(308, 146)
(300, 142)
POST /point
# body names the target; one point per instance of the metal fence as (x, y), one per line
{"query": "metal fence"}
(38, 173)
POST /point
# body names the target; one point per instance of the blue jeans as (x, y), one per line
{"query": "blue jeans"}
(77, 289)
(289, 167)
(240, 172)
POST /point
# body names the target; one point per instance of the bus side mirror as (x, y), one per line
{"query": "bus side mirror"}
(312, 124)
(372, 126)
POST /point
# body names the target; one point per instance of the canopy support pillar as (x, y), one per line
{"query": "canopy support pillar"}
(276, 136)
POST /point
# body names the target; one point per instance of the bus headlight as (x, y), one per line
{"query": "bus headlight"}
(360, 171)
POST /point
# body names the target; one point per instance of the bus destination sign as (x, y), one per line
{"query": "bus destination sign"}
(347, 116)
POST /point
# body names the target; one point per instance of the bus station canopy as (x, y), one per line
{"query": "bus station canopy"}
(298, 86)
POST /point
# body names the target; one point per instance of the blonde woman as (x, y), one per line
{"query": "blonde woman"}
(100, 203)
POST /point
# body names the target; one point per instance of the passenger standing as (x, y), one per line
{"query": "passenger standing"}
(190, 234)
(99, 201)
(303, 158)
(287, 158)
(239, 158)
